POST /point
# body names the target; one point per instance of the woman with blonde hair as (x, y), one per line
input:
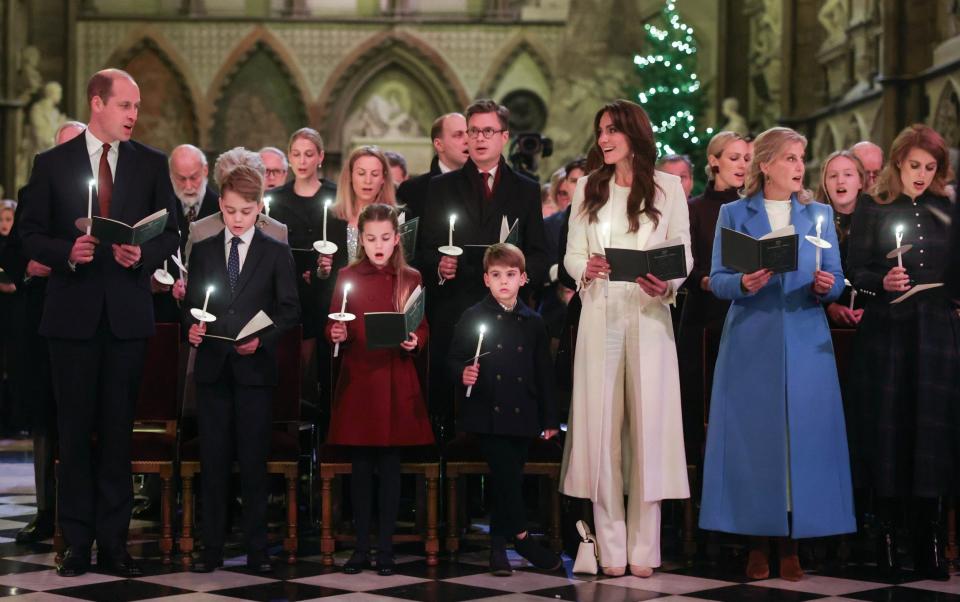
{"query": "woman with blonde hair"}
(906, 371)
(728, 155)
(842, 177)
(299, 205)
(776, 454)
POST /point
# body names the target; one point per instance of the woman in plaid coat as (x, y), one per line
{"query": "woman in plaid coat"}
(906, 366)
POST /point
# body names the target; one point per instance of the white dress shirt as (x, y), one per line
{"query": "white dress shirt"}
(242, 248)
(94, 148)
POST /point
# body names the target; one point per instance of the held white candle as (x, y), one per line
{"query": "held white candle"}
(853, 296)
(90, 205)
(206, 299)
(346, 289)
(476, 356)
(819, 228)
(899, 234)
(266, 205)
(164, 265)
(453, 218)
(326, 206)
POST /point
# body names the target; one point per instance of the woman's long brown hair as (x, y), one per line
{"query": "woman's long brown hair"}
(378, 212)
(633, 122)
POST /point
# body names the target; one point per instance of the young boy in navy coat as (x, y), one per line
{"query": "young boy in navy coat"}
(512, 399)
(249, 272)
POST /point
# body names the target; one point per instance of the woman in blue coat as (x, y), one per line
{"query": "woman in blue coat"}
(776, 456)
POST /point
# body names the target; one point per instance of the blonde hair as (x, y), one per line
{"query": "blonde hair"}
(346, 204)
(234, 158)
(715, 148)
(822, 195)
(766, 148)
(888, 186)
(307, 134)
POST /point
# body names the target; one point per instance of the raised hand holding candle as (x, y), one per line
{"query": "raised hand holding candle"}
(476, 356)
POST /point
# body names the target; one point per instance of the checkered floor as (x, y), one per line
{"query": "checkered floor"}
(27, 572)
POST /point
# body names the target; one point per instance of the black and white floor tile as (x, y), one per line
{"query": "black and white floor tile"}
(27, 573)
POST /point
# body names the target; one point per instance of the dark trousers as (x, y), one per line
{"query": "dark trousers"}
(505, 455)
(234, 422)
(96, 382)
(387, 462)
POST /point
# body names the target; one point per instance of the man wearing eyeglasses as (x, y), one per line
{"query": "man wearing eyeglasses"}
(480, 194)
(276, 164)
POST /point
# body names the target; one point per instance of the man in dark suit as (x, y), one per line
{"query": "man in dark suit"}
(449, 135)
(97, 312)
(480, 194)
(249, 272)
(195, 201)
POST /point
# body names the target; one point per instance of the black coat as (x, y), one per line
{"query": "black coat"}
(412, 194)
(209, 204)
(304, 220)
(267, 282)
(53, 200)
(952, 277)
(515, 394)
(478, 223)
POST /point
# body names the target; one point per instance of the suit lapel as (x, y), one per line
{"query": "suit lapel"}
(250, 262)
(468, 195)
(757, 223)
(123, 182)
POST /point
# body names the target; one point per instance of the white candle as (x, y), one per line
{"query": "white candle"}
(326, 206)
(206, 299)
(853, 296)
(453, 218)
(476, 356)
(164, 265)
(266, 205)
(819, 228)
(346, 289)
(899, 234)
(90, 205)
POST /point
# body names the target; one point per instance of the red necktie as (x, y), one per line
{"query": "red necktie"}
(487, 190)
(104, 183)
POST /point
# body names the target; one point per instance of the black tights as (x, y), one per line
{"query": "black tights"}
(387, 462)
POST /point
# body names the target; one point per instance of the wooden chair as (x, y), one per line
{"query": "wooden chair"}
(463, 458)
(154, 445)
(424, 462)
(284, 455)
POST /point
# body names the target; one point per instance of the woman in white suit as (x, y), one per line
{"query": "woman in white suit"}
(625, 431)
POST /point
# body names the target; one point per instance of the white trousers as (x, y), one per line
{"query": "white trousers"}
(628, 535)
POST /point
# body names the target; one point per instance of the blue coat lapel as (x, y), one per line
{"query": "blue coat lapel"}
(804, 219)
(757, 223)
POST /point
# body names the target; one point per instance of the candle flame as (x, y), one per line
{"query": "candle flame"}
(483, 329)
(326, 203)
(899, 228)
(346, 287)
(210, 289)
(267, 200)
(93, 183)
(453, 218)
(819, 219)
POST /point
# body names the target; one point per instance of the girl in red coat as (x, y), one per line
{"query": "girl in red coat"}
(378, 406)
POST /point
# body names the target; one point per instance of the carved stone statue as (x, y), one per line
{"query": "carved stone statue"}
(833, 16)
(735, 121)
(45, 116)
(30, 79)
(383, 117)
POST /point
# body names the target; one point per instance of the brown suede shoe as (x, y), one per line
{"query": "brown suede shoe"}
(758, 565)
(790, 568)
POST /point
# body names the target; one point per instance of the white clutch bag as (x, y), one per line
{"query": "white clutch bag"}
(586, 562)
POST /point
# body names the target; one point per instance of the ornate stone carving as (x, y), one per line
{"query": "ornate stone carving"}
(735, 121)
(833, 17)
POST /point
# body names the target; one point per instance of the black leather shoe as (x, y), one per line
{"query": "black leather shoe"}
(888, 561)
(207, 562)
(358, 561)
(73, 564)
(386, 565)
(39, 529)
(259, 562)
(537, 553)
(499, 565)
(121, 565)
(928, 556)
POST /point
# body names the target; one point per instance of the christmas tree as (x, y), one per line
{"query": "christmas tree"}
(669, 89)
